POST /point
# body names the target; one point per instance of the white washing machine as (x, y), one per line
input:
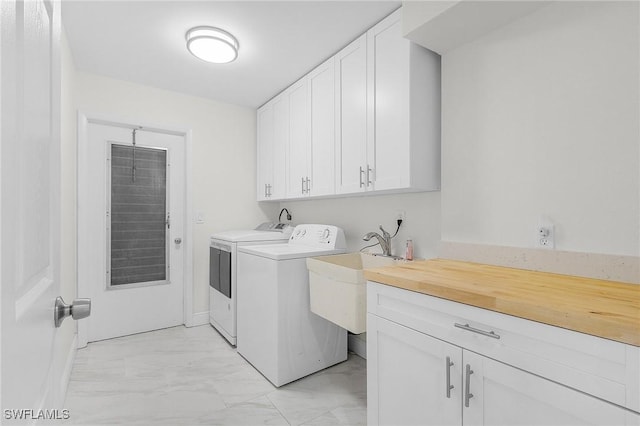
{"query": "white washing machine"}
(223, 271)
(277, 332)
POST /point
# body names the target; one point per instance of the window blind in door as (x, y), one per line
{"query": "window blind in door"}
(138, 243)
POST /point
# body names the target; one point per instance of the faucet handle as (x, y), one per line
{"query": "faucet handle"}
(385, 234)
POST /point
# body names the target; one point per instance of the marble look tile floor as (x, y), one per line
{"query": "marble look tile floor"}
(191, 376)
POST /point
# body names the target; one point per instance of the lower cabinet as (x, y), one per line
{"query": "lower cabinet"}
(414, 378)
(499, 394)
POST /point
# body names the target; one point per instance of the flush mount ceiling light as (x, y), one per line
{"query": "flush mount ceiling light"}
(212, 44)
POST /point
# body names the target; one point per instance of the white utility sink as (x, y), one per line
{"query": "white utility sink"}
(337, 287)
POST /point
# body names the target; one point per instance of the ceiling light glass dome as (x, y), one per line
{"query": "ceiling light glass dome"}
(212, 44)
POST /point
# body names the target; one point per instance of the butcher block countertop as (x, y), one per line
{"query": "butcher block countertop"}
(601, 308)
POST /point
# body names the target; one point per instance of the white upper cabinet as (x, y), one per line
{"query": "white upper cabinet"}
(387, 114)
(351, 117)
(404, 111)
(366, 120)
(265, 151)
(299, 139)
(310, 150)
(322, 105)
(273, 135)
(280, 142)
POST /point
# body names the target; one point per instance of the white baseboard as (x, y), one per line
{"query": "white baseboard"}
(66, 373)
(200, 318)
(358, 345)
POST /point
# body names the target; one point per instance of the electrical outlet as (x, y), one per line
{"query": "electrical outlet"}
(545, 236)
(400, 215)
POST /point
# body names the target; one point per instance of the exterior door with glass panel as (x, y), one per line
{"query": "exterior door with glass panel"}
(133, 211)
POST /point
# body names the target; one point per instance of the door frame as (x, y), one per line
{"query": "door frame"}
(84, 119)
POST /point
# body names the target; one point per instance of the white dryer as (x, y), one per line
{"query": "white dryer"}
(277, 332)
(223, 270)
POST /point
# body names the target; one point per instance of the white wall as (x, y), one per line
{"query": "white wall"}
(541, 117)
(223, 143)
(359, 215)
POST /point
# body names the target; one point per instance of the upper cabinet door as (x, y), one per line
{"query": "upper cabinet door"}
(322, 104)
(299, 140)
(351, 117)
(389, 150)
(280, 144)
(404, 120)
(273, 138)
(265, 151)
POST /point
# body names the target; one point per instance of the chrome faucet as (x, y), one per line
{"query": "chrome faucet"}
(384, 240)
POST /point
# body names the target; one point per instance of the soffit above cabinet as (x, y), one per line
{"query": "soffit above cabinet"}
(444, 25)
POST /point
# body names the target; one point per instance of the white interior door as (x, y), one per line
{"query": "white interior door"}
(30, 203)
(131, 227)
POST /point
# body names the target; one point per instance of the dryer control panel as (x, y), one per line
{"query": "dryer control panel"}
(320, 236)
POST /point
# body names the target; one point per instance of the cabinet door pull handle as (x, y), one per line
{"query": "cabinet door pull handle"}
(467, 327)
(266, 193)
(361, 177)
(467, 395)
(269, 186)
(302, 180)
(369, 173)
(308, 181)
(449, 385)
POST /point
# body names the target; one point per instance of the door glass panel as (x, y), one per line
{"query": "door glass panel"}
(138, 243)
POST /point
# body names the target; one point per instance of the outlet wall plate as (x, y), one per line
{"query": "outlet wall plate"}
(545, 236)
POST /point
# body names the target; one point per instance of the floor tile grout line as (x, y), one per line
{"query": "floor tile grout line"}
(277, 409)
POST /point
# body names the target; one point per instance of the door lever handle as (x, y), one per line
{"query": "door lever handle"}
(80, 308)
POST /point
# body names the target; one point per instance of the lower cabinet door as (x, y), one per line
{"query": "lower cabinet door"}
(499, 394)
(412, 378)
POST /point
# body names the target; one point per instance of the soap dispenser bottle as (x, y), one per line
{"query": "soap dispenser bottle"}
(409, 251)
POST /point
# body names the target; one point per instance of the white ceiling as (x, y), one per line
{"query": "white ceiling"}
(144, 42)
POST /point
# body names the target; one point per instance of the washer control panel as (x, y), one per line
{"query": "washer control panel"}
(320, 236)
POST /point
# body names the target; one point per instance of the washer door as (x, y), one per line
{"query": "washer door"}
(220, 270)
(225, 273)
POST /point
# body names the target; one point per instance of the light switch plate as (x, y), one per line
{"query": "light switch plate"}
(199, 217)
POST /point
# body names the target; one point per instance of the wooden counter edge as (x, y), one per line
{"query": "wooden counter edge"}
(599, 324)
